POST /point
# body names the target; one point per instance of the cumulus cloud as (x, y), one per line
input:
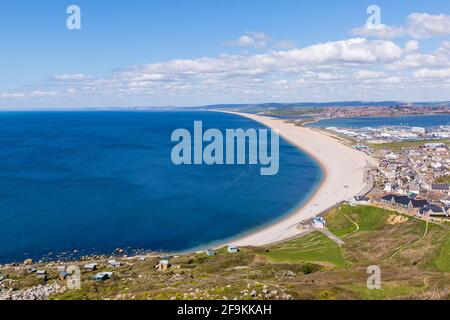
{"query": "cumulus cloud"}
(284, 45)
(415, 60)
(368, 74)
(379, 31)
(412, 46)
(432, 73)
(356, 51)
(9, 95)
(256, 40)
(71, 77)
(424, 25)
(418, 26)
(39, 93)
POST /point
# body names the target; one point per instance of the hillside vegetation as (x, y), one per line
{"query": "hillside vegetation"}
(414, 258)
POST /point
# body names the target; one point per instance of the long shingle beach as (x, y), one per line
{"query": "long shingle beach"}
(344, 169)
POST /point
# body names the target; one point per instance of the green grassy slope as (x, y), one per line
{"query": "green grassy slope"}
(414, 259)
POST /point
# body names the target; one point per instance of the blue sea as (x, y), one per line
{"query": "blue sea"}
(76, 183)
(426, 121)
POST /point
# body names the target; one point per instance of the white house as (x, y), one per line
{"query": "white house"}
(90, 267)
(114, 263)
(319, 223)
(232, 248)
(163, 265)
(388, 187)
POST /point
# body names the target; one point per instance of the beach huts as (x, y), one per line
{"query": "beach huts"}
(232, 248)
(163, 265)
(102, 276)
(90, 267)
(114, 263)
(63, 275)
(31, 270)
(41, 274)
(61, 268)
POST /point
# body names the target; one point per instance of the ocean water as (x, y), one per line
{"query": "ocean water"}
(426, 121)
(92, 182)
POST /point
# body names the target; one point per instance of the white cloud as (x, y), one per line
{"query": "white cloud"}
(381, 31)
(368, 74)
(412, 46)
(418, 26)
(446, 45)
(419, 60)
(230, 69)
(284, 45)
(71, 77)
(432, 73)
(391, 80)
(257, 40)
(357, 50)
(9, 95)
(39, 93)
(424, 25)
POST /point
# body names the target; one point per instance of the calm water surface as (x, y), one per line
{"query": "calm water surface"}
(96, 181)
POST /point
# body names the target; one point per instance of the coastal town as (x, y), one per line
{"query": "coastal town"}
(413, 174)
(360, 109)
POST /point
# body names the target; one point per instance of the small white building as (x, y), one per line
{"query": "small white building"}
(418, 130)
(61, 268)
(163, 265)
(114, 263)
(387, 187)
(232, 248)
(102, 276)
(319, 223)
(90, 267)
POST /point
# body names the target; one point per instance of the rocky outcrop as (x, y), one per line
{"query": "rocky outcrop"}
(41, 292)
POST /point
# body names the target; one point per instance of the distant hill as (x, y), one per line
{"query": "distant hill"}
(265, 106)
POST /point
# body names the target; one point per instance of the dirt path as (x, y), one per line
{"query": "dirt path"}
(331, 236)
(408, 244)
(352, 221)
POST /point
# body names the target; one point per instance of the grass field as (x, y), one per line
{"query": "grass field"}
(388, 291)
(444, 179)
(314, 247)
(339, 223)
(443, 261)
(396, 146)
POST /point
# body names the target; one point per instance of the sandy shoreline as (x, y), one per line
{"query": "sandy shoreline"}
(344, 171)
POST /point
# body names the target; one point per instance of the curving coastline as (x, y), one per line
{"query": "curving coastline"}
(344, 171)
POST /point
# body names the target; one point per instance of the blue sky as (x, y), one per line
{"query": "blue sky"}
(165, 52)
